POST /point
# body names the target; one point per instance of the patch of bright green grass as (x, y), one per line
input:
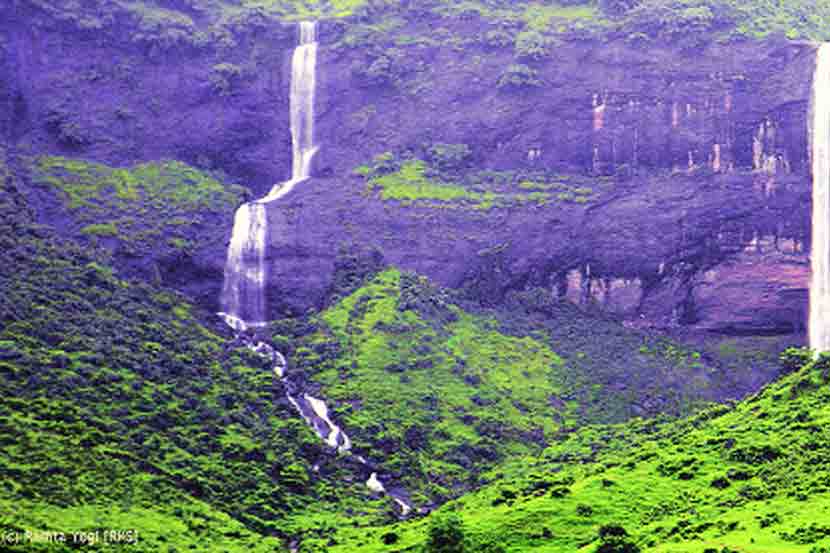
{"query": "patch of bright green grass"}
(415, 182)
(145, 205)
(410, 183)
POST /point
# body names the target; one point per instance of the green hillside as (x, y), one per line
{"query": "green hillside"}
(120, 409)
(752, 477)
(442, 394)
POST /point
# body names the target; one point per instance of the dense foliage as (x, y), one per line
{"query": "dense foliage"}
(441, 395)
(123, 406)
(158, 207)
(752, 477)
(120, 409)
(212, 23)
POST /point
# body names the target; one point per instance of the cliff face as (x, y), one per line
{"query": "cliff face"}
(97, 97)
(699, 214)
(706, 223)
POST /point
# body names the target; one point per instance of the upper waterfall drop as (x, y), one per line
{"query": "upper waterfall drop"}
(819, 324)
(303, 86)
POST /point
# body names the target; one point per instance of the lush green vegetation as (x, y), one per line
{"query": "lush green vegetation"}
(149, 207)
(413, 181)
(442, 395)
(753, 477)
(220, 23)
(120, 409)
(410, 183)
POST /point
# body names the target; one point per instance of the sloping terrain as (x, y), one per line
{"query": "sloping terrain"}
(752, 477)
(647, 161)
(121, 410)
(440, 392)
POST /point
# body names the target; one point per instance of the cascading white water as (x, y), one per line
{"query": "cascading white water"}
(303, 87)
(819, 324)
(243, 291)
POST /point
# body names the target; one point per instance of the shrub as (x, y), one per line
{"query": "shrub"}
(518, 75)
(449, 157)
(608, 531)
(792, 359)
(690, 20)
(614, 539)
(721, 483)
(617, 7)
(446, 534)
(100, 229)
(224, 78)
(822, 363)
(531, 45)
(384, 70)
(497, 39)
(380, 71)
(755, 454)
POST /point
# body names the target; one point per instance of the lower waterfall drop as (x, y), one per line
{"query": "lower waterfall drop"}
(819, 324)
(243, 291)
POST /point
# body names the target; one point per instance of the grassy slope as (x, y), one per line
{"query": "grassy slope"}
(119, 408)
(162, 207)
(754, 478)
(442, 395)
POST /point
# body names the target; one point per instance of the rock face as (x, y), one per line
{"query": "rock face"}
(114, 101)
(706, 222)
(708, 251)
(709, 229)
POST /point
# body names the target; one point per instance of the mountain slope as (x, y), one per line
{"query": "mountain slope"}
(440, 392)
(752, 477)
(120, 409)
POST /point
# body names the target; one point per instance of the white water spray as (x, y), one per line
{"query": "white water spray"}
(243, 292)
(375, 485)
(819, 325)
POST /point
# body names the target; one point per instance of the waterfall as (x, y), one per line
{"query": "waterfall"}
(243, 291)
(819, 324)
(303, 86)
